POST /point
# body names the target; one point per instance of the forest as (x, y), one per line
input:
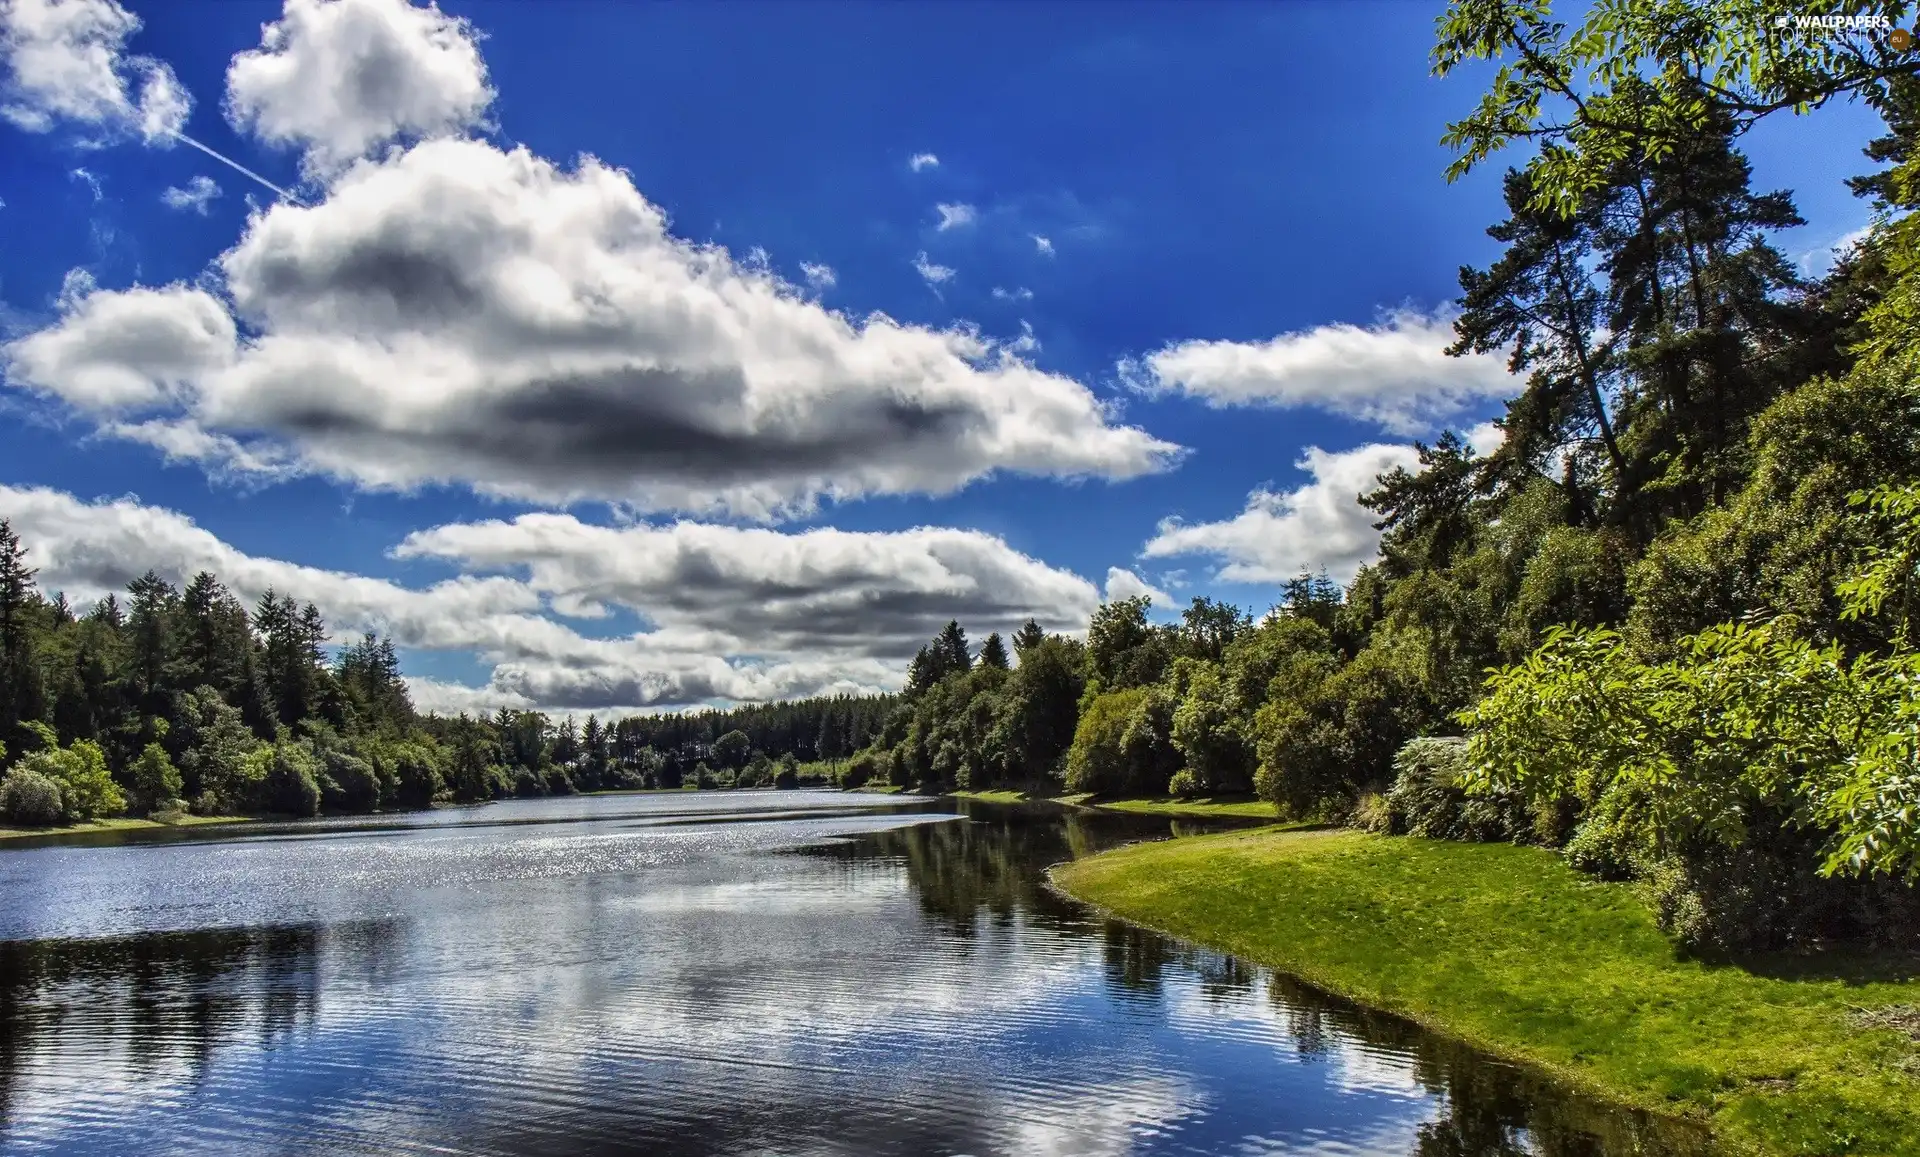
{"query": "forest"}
(1666, 625)
(181, 700)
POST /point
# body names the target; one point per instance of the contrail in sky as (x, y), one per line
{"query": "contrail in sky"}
(233, 164)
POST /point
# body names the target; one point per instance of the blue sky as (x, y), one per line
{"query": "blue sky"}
(1184, 298)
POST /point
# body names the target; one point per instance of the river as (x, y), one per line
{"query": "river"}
(729, 973)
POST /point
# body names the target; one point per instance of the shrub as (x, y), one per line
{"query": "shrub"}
(348, 782)
(155, 780)
(1185, 785)
(30, 798)
(87, 791)
(288, 783)
(859, 770)
(417, 775)
(1122, 744)
(1370, 814)
(1429, 797)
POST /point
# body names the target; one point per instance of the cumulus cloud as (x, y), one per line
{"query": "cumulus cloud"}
(1042, 245)
(920, 161)
(459, 313)
(1318, 525)
(818, 274)
(1022, 293)
(1395, 373)
(729, 613)
(1124, 584)
(194, 197)
(66, 62)
(954, 216)
(339, 79)
(130, 349)
(877, 594)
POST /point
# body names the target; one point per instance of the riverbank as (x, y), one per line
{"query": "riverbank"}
(1511, 950)
(1240, 807)
(121, 824)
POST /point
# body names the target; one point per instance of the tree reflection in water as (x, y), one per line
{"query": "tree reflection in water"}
(651, 1009)
(992, 871)
(161, 1005)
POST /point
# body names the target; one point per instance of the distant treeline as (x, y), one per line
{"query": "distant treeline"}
(174, 700)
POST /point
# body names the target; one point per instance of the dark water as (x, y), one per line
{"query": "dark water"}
(762, 973)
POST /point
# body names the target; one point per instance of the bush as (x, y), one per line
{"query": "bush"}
(156, 782)
(786, 775)
(30, 798)
(860, 770)
(1122, 745)
(289, 784)
(1429, 797)
(348, 782)
(87, 791)
(1370, 814)
(417, 776)
(528, 783)
(703, 779)
(1185, 785)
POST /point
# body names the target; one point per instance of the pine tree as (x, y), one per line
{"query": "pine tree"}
(993, 652)
(951, 649)
(22, 695)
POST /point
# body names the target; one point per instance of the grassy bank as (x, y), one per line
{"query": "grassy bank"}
(1510, 949)
(1164, 805)
(121, 824)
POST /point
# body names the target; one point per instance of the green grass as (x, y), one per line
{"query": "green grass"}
(1508, 948)
(1169, 806)
(1163, 805)
(1003, 796)
(121, 824)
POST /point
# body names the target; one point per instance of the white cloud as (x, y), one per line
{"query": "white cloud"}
(919, 161)
(222, 457)
(1124, 584)
(931, 272)
(342, 78)
(1318, 524)
(729, 612)
(459, 313)
(1020, 294)
(195, 197)
(1042, 245)
(132, 349)
(818, 274)
(1395, 373)
(66, 63)
(877, 594)
(85, 176)
(953, 216)
(1026, 343)
(1818, 262)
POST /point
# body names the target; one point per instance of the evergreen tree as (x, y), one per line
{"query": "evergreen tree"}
(22, 692)
(993, 653)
